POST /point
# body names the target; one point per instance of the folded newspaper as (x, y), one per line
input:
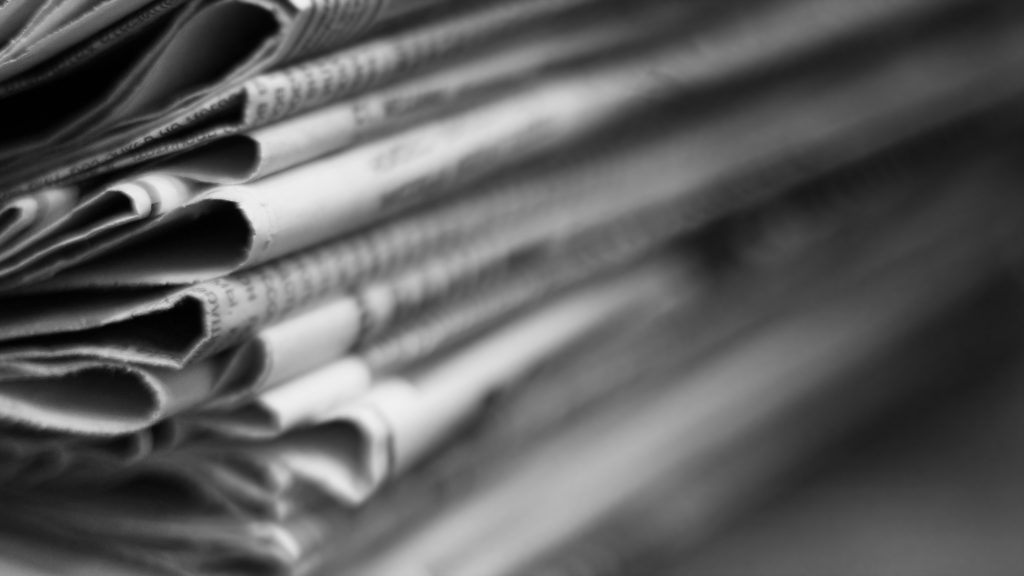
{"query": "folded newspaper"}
(477, 287)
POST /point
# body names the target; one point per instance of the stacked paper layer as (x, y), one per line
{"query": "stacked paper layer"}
(480, 287)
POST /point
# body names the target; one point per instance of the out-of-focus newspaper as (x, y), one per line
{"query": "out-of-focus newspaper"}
(698, 435)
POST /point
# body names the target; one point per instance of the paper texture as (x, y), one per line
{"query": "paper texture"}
(918, 91)
(936, 253)
(349, 465)
(300, 87)
(326, 331)
(394, 172)
(142, 27)
(906, 84)
(678, 438)
(287, 404)
(14, 15)
(299, 287)
(106, 214)
(288, 143)
(97, 398)
(242, 37)
(24, 219)
(60, 29)
(312, 456)
(759, 40)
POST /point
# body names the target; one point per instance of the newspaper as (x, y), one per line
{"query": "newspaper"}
(350, 466)
(119, 58)
(407, 167)
(325, 331)
(97, 399)
(471, 470)
(254, 35)
(210, 465)
(771, 375)
(320, 333)
(169, 392)
(290, 404)
(578, 383)
(303, 401)
(311, 83)
(146, 532)
(57, 27)
(167, 535)
(231, 308)
(76, 452)
(108, 213)
(376, 176)
(301, 29)
(143, 26)
(648, 534)
(787, 389)
(288, 143)
(14, 14)
(896, 273)
(506, 432)
(340, 69)
(458, 311)
(239, 158)
(286, 404)
(24, 219)
(312, 335)
(217, 409)
(260, 99)
(918, 89)
(931, 87)
(409, 341)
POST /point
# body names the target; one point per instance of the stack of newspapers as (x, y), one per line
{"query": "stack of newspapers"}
(481, 287)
